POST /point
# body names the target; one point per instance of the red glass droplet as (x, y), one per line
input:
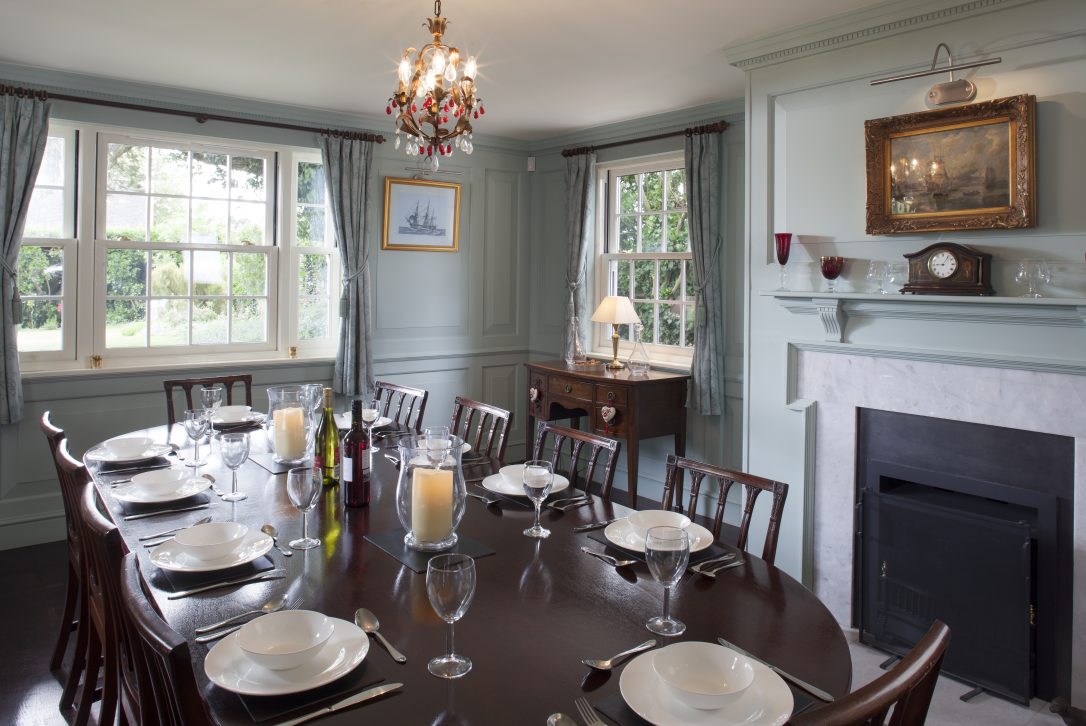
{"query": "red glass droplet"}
(482, 111)
(414, 108)
(422, 149)
(429, 150)
(388, 110)
(476, 114)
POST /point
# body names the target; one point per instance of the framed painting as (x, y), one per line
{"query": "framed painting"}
(967, 167)
(421, 215)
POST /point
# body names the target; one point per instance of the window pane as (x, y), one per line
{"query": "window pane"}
(310, 183)
(126, 324)
(623, 278)
(250, 321)
(313, 275)
(310, 229)
(247, 223)
(209, 221)
(671, 324)
(652, 237)
(208, 175)
(312, 318)
(40, 328)
(247, 178)
(41, 270)
(688, 324)
(45, 218)
(250, 277)
(209, 322)
(169, 171)
(169, 219)
(644, 311)
(678, 237)
(126, 168)
(691, 283)
(676, 189)
(627, 234)
(670, 274)
(169, 277)
(627, 192)
(126, 273)
(126, 217)
(169, 322)
(644, 272)
(209, 272)
(654, 191)
(51, 171)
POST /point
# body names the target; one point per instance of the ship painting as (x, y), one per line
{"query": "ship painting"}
(422, 222)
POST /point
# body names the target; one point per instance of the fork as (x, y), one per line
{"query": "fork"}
(588, 714)
(483, 499)
(717, 570)
(712, 562)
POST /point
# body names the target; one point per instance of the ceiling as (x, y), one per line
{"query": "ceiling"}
(545, 69)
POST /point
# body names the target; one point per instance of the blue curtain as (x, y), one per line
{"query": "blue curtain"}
(580, 209)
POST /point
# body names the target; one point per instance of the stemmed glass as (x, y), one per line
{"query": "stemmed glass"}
(371, 409)
(896, 273)
(196, 423)
(1033, 273)
(304, 489)
(235, 450)
(831, 269)
(667, 551)
(538, 479)
(314, 400)
(438, 443)
(212, 397)
(877, 272)
(783, 246)
(450, 585)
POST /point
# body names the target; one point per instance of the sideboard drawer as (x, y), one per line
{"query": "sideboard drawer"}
(570, 388)
(611, 395)
(619, 426)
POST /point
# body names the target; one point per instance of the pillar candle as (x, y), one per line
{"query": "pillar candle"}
(289, 424)
(431, 504)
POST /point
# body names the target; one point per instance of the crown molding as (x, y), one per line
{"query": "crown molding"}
(885, 19)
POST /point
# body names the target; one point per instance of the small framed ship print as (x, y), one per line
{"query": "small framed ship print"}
(421, 215)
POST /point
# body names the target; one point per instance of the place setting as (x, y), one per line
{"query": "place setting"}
(128, 454)
(629, 536)
(236, 419)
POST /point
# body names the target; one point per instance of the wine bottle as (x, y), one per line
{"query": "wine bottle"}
(326, 455)
(356, 462)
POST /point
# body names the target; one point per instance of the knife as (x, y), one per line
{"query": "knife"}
(268, 575)
(813, 690)
(345, 703)
(595, 525)
(130, 517)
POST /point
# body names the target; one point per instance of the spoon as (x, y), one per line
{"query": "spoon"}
(366, 620)
(276, 603)
(606, 665)
(177, 452)
(561, 719)
(612, 561)
(214, 488)
(274, 533)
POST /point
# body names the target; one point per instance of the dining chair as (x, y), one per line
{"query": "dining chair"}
(906, 688)
(187, 384)
(166, 692)
(393, 399)
(488, 422)
(581, 444)
(723, 480)
(69, 622)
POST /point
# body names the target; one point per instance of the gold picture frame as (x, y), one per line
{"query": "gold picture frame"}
(421, 215)
(961, 168)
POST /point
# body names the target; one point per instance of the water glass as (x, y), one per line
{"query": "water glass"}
(304, 489)
(877, 273)
(196, 424)
(212, 397)
(437, 443)
(235, 451)
(538, 479)
(1033, 273)
(896, 273)
(450, 585)
(371, 411)
(667, 552)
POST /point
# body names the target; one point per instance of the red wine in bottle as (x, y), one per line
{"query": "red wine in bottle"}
(356, 461)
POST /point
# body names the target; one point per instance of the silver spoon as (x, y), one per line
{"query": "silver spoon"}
(612, 561)
(561, 719)
(274, 533)
(177, 452)
(366, 620)
(214, 488)
(276, 603)
(606, 665)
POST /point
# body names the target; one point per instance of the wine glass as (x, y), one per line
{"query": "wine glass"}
(313, 394)
(450, 585)
(831, 269)
(371, 409)
(667, 551)
(783, 246)
(896, 272)
(196, 423)
(877, 272)
(538, 479)
(438, 443)
(212, 397)
(304, 489)
(1033, 273)
(235, 450)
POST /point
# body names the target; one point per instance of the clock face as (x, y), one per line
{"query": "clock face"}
(942, 264)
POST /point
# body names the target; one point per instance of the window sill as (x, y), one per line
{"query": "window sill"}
(71, 371)
(670, 365)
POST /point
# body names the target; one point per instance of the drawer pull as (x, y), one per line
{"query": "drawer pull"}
(568, 388)
(610, 395)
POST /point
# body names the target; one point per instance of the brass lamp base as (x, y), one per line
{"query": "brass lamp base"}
(615, 364)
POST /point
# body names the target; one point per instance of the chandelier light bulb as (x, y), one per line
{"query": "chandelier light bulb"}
(471, 67)
(437, 63)
(450, 73)
(405, 70)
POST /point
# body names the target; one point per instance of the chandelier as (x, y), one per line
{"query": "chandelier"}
(435, 97)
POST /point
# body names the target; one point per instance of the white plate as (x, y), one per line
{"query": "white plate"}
(133, 492)
(343, 421)
(500, 485)
(251, 417)
(228, 667)
(171, 555)
(105, 455)
(623, 534)
(766, 702)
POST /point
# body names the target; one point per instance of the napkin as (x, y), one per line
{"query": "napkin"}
(280, 708)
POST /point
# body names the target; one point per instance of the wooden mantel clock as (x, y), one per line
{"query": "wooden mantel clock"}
(945, 268)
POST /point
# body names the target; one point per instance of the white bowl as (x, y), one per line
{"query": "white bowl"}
(211, 540)
(231, 414)
(705, 676)
(514, 474)
(285, 639)
(163, 481)
(129, 446)
(644, 520)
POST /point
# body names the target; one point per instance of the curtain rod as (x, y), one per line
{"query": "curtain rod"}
(714, 128)
(200, 116)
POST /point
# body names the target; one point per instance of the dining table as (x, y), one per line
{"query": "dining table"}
(540, 605)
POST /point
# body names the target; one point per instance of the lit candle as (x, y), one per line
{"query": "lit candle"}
(289, 424)
(431, 504)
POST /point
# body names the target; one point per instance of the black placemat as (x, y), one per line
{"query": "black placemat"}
(175, 581)
(266, 708)
(119, 467)
(267, 462)
(614, 708)
(714, 550)
(130, 508)
(392, 543)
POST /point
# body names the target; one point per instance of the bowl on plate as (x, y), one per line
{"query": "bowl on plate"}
(160, 482)
(705, 676)
(644, 520)
(231, 414)
(513, 474)
(211, 540)
(128, 447)
(285, 639)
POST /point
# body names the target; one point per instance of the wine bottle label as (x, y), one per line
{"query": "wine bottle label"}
(348, 469)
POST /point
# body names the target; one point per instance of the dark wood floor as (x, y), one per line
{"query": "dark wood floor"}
(31, 599)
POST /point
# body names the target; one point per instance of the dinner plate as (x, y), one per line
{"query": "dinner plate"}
(172, 555)
(343, 421)
(228, 667)
(251, 417)
(133, 492)
(766, 702)
(108, 456)
(500, 485)
(623, 534)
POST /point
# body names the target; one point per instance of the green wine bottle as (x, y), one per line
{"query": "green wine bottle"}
(326, 455)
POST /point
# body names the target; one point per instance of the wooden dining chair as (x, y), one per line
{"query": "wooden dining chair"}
(166, 691)
(584, 454)
(403, 404)
(906, 688)
(723, 479)
(490, 426)
(187, 384)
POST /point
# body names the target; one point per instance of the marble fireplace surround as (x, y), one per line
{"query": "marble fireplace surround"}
(829, 386)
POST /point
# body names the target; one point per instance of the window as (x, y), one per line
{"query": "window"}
(315, 259)
(645, 253)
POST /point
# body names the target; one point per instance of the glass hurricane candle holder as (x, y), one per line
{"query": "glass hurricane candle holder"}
(430, 492)
(290, 427)
(783, 247)
(831, 270)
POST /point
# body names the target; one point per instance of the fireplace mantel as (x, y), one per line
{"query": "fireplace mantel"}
(835, 309)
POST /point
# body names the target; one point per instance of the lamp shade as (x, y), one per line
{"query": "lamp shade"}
(616, 309)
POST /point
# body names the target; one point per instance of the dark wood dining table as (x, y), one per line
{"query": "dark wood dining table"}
(540, 605)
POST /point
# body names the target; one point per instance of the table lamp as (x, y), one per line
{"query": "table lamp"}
(616, 310)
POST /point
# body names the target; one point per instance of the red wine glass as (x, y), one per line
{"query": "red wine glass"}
(831, 269)
(784, 246)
